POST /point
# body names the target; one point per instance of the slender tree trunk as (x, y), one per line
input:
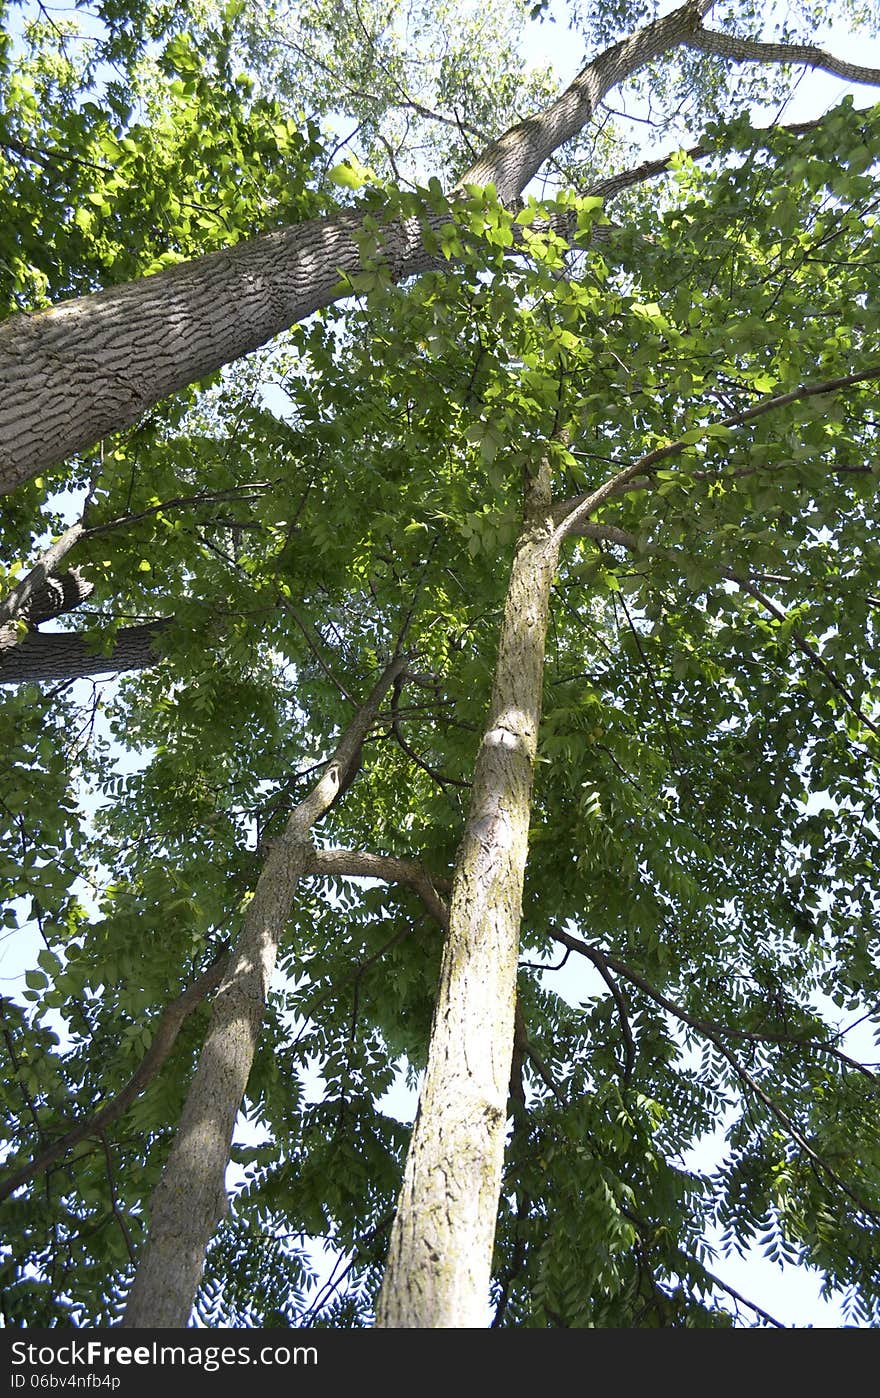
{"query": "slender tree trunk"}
(440, 1255)
(190, 1198)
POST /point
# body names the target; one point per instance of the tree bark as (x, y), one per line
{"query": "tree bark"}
(89, 367)
(190, 1198)
(440, 1254)
(67, 655)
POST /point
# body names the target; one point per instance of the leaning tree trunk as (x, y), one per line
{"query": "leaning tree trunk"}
(440, 1255)
(190, 1198)
(73, 374)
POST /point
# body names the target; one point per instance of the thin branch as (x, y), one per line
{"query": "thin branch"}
(611, 534)
(114, 1201)
(732, 1292)
(543, 1072)
(649, 169)
(626, 1029)
(754, 51)
(168, 1026)
(572, 513)
(241, 492)
(705, 1026)
(542, 965)
(677, 764)
(804, 647)
(713, 1032)
(316, 652)
(51, 158)
(439, 777)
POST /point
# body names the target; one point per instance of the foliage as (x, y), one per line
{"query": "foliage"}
(704, 829)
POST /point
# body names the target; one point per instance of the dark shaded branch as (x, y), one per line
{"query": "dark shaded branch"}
(713, 1033)
(16, 604)
(114, 1199)
(168, 1026)
(67, 655)
(649, 169)
(611, 534)
(439, 777)
(544, 1073)
(251, 491)
(625, 1027)
(804, 647)
(736, 1295)
(707, 1027)
(317, 653)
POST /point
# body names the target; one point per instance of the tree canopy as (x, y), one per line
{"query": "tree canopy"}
(359, 380)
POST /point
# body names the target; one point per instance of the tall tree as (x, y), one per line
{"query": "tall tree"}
(650, 433)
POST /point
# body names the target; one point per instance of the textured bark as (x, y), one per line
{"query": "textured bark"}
(65, 655)
(190, 1198)
(349, 863)
(27, 597)
(732, 47)
(73, 374)
(440, 1254)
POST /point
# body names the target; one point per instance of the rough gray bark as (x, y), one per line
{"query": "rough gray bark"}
(342, 863)
(440, 1254)
(27, 599)
(739, 50)
(190, 1198)
(73, 374)
(66, 655)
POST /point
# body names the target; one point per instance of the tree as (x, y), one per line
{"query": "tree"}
(651, 435)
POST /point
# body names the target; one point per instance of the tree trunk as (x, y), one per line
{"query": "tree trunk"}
(67, 655)
(190, 1198)
(73, 374)
(440, 1254)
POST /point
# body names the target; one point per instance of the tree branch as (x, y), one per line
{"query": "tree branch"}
(190, 1197)
(71, 375)
(754, 51)
(713, 1033)
(349, 863)
(625, 1028)
(65, 655)
(649, 169)
(15, 604)
(611, 534)
(731, 1291)
(804, 647)
(572, 512)
(704, 1026)
(168, 1026)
